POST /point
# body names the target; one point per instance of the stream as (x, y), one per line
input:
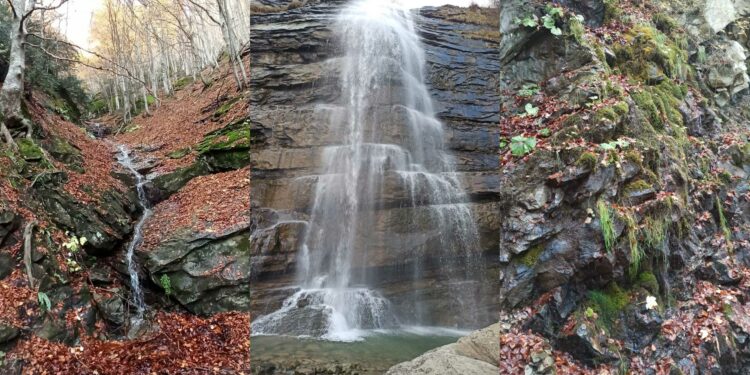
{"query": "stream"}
(124, 158)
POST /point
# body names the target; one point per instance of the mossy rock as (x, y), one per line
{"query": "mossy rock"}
(179, 154)
(29, 151)
(608, 303)
(221, 111)
(227, 148)
(587, 160)
(648, 47)
(227, 160)
(531, 256)
(182, 83)
(170, 183)
(65, 153)
(647, 280)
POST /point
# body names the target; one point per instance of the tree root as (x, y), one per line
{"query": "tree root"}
(28, 234)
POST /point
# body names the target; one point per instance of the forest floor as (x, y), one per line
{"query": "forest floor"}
(177, 342)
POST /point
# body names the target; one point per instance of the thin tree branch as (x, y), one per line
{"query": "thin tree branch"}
(77, 61)
(12, 8)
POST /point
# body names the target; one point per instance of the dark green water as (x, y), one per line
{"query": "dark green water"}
(373, 354)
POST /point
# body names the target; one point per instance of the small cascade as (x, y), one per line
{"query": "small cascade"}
(124, 158)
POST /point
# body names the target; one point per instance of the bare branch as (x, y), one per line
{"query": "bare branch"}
(129, 74)
(208, 12)
(12, 8)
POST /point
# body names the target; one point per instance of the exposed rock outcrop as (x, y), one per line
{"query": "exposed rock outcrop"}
(624, 223)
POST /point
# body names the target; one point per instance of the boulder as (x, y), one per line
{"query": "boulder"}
(477, 354)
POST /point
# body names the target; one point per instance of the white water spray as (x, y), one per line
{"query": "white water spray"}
(388, 131)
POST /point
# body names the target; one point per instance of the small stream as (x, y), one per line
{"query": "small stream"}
(124, 158)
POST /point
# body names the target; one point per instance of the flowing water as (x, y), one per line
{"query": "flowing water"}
(124, 158)
(381, 78)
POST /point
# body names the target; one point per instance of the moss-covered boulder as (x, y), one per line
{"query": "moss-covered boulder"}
(207, 273)
(227, 148)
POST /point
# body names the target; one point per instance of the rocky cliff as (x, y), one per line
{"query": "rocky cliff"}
(294, 71)
(625, 223)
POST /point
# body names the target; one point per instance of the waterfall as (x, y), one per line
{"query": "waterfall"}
(124, 158)
(388, 131)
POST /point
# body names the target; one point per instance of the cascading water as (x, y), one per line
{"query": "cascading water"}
(124, 158)
(381, 78)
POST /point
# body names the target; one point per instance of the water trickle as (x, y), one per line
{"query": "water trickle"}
(387, 128)
(135, 284)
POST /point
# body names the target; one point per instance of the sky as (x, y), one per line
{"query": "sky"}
(79, 15)
(78, 20)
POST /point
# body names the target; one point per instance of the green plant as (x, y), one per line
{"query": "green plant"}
(44, 303)
(520, 145)
(74, 243)
(545, 132)
(166, 284)
(613, 145)
(606, 223)
(636, 253)
(529, 21)
(723, 221)
(549, 21)
(530, 110)
(528, 90)
(608, 303)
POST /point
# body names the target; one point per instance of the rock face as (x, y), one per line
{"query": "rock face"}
(295, 67)
(478, 354)
(207, 273)
(590, 230)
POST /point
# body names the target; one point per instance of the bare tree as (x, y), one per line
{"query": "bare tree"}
(13, 85)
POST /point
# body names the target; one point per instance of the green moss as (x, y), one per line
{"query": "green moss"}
(634, 157)
(612, 11)
(723, 221)
(179, 154)
(645, 46)
(531, 256)
(28, 150)
(577, 30)
(725, 177)
(647, 280)
(636, 253)
(573, 120)
(607, 224)
(587, 160)
(225, 108)
(638, 185)
(182, 83)
(231, 137)
(654, 232)
(608, 303)
(664, 22)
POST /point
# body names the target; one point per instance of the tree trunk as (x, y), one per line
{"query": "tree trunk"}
(12, 90)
